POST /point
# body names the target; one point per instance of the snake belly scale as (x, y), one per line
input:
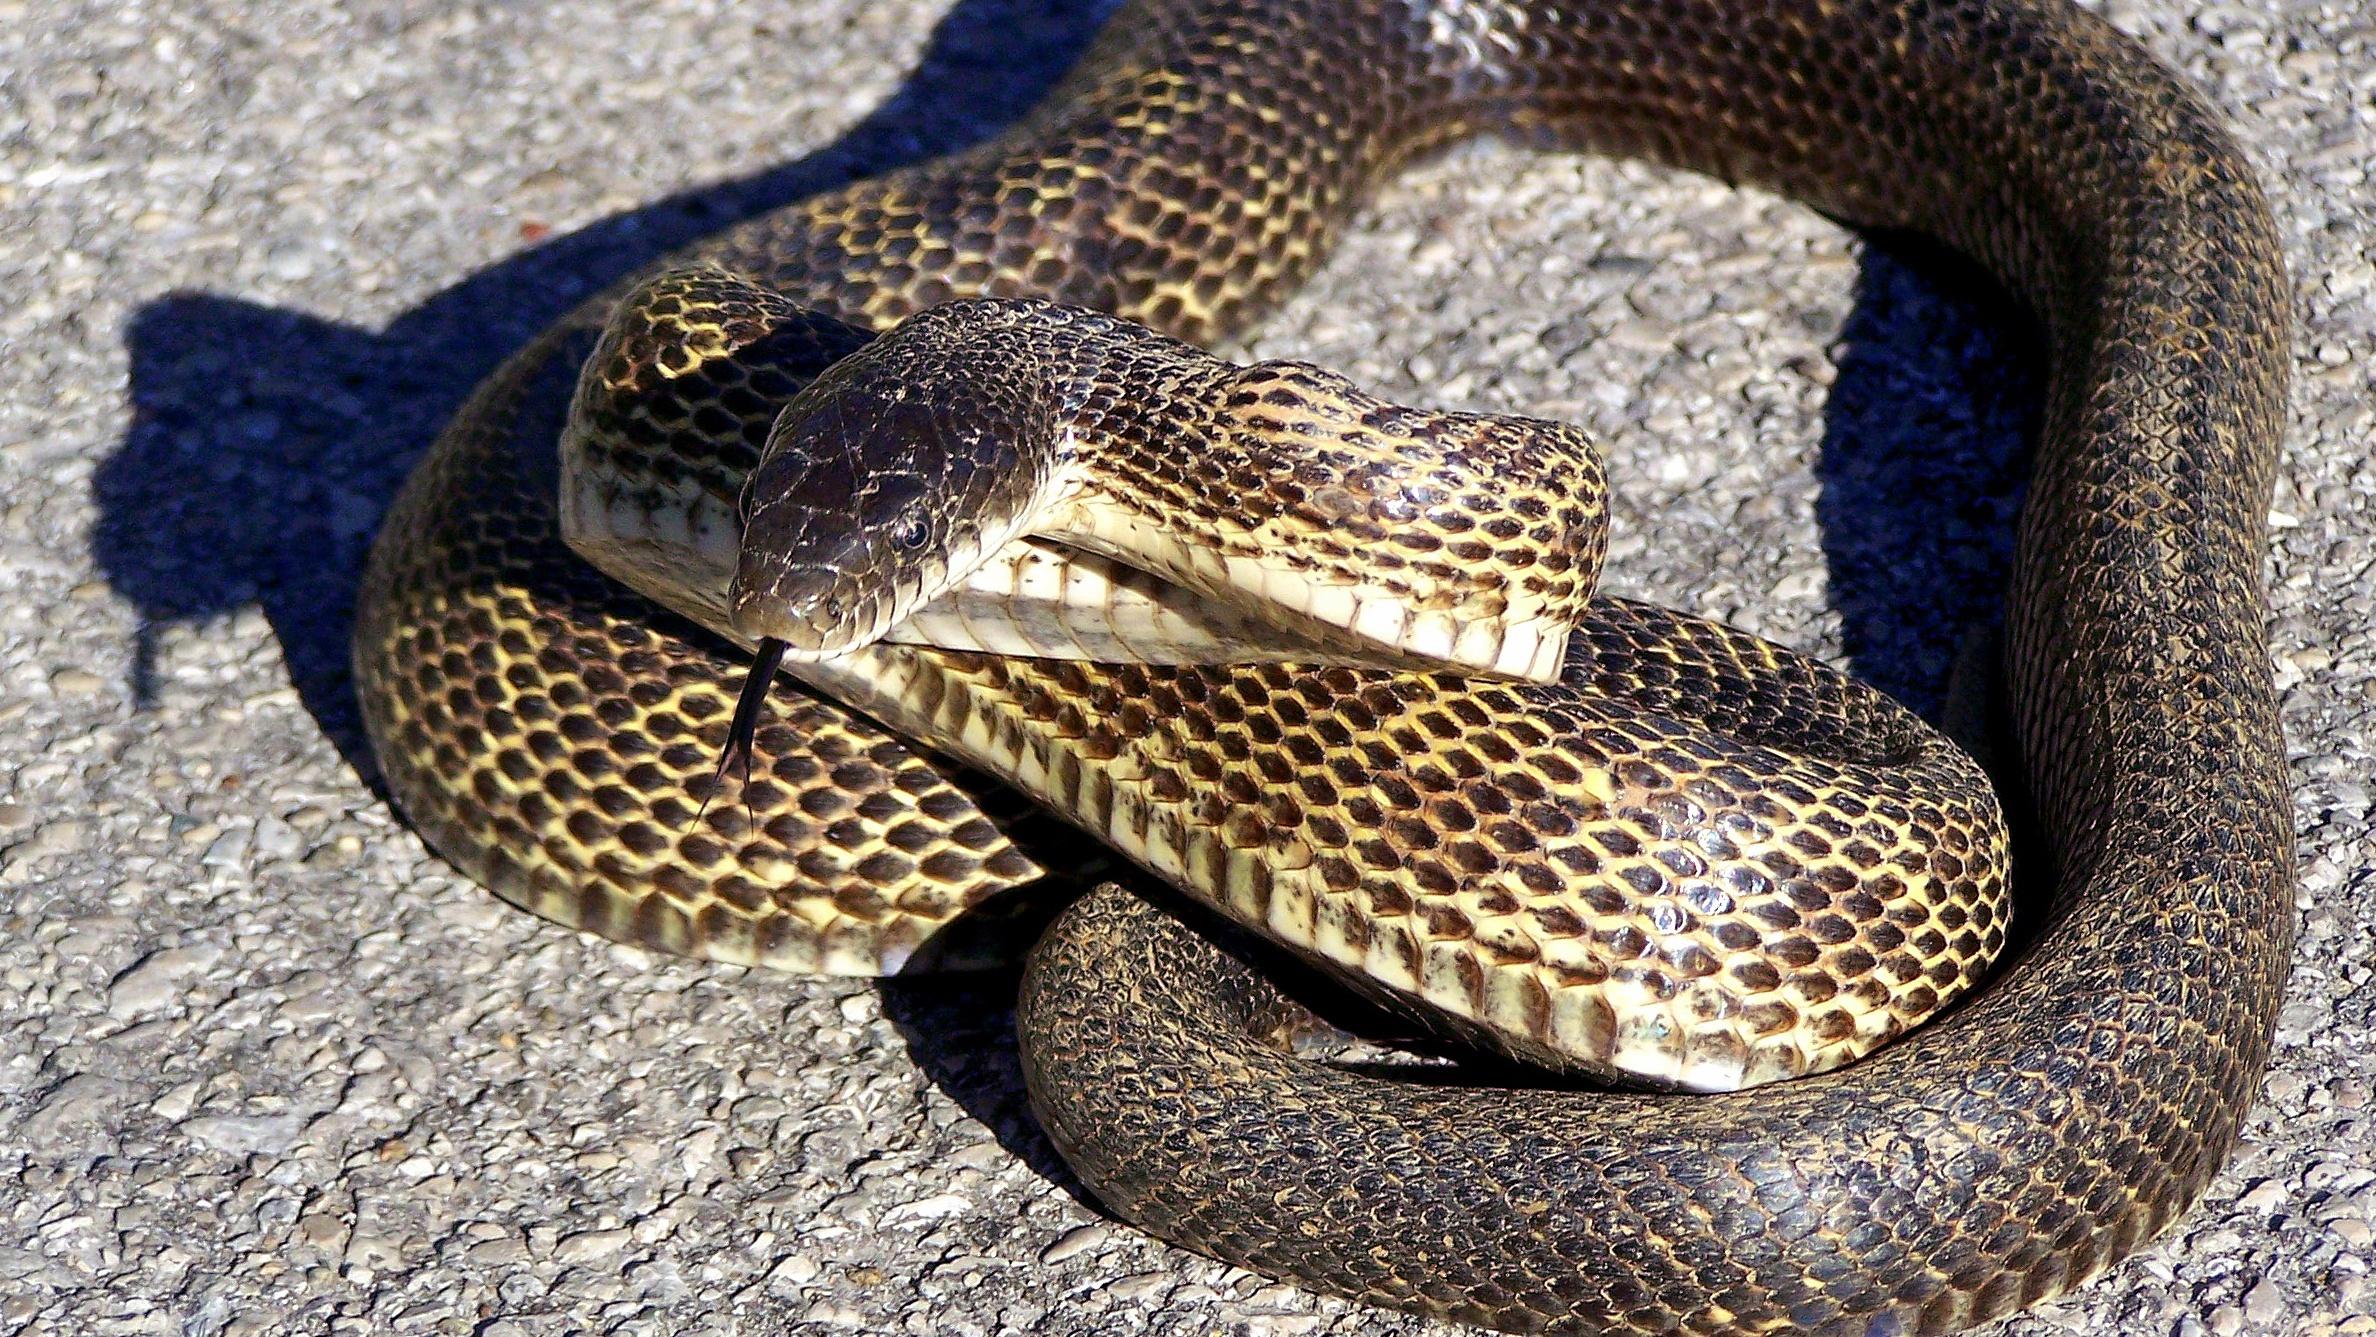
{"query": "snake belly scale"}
(549, 731)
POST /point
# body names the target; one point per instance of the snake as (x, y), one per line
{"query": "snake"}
(557, 734)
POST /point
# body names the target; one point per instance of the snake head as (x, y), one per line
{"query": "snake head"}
(887, 480)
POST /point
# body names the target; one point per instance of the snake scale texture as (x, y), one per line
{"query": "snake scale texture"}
(551, 733)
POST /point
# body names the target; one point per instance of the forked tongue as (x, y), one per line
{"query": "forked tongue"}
(745, 725)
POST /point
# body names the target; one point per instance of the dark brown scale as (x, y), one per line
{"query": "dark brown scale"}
(2041, 1133)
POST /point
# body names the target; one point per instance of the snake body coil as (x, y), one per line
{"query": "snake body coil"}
(548, 731)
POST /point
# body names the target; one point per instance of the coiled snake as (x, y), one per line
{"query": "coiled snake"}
(554, 734)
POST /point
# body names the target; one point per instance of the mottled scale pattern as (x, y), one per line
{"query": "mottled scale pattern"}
(1476, 537)
(1698, 861)
(547, 732)
(697, 354)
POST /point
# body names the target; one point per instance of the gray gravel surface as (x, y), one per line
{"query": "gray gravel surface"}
(266, 1065)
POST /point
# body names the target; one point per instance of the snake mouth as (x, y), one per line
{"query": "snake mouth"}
(812, 613)
(801, 639)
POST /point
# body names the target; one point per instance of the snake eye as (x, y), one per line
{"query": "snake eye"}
(911, 535)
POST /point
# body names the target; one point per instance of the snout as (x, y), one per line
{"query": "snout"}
(816, 612)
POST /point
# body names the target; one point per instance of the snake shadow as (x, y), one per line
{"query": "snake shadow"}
(1936, 398)
(265, 445)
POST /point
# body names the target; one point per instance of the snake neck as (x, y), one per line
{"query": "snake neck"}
(1374, 533)
(1280, 511)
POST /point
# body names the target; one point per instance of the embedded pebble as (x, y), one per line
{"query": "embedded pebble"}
(76, 682)
(52, 839)
(498, 1252)
(270, 1062)
(2263, 1305)
(321, 1232)
(1141, 1286)
(940, 1204)
(1074, 1242)
(588, 1245)
(796, 1270)
(2265, 1196)
(276, 839)
(245, 1134)
(230, 849)
(176, 1104)
(158, 980)
(367, 1249)
(84, 1098)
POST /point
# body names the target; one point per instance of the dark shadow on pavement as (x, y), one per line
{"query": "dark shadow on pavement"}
(1924, 458)
(266, 444)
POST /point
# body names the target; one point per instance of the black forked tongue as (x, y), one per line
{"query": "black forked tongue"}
(745, 725)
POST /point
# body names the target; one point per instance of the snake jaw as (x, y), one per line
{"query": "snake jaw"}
(806, 612)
